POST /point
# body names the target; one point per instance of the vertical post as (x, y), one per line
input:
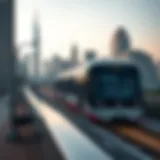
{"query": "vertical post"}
(7, 55)
(6, 44)
(11, 57)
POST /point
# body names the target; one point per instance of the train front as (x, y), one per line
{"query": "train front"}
(115, 93)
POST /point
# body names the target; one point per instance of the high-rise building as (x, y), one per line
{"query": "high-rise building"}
(74, 54)
(120, 43)
(121, 47)
(147, 69)
(56, 65)
(90, 55)
(24, 66)
(36, 45)
(30, 65)
(158, 67)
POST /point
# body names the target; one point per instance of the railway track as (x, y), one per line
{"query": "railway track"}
(147, 141)
(135, 134)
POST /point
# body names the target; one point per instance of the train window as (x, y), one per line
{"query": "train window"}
(116, 86)
(113, 85)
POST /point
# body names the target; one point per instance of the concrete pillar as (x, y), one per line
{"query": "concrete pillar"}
(6, 44)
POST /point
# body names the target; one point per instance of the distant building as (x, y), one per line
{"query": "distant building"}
(54, 66)
(74, 54)
(46, 68)
(37, 45)
(23, 66)
(148, 69)
(59, 64)
(121, 46)
(158, 67)
(120, 43)
(90, 55)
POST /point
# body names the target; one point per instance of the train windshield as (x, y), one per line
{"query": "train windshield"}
(116, 84)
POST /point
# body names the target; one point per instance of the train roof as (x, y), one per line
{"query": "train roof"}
(111, 61)
(98, 62)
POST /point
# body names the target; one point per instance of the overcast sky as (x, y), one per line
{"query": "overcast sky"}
(89, 24)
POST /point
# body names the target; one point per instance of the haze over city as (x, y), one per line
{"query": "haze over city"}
(80, 79)
(89, 24)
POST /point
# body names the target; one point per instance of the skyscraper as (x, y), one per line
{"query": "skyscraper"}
(74, 54)
(121, 47)
(36, 45)
(120, 42)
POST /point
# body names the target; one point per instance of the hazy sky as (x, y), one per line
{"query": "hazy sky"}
(89, 24)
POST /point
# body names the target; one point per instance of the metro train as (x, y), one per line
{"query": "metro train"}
(103, 90)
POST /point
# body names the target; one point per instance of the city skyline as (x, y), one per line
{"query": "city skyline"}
(89, 24)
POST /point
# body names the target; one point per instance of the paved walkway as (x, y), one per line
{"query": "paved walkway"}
(43, 150)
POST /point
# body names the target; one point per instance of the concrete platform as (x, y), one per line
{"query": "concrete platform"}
(35, 150)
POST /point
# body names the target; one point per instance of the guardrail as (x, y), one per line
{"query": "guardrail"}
(73, 144)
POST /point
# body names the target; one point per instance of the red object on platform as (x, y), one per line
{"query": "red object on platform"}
(73, 106)
(92, 117)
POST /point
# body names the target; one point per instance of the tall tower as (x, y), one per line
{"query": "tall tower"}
(121, 42)
(36, 45)
(74, 54)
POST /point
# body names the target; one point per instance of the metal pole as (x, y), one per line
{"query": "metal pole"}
(14, 84)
